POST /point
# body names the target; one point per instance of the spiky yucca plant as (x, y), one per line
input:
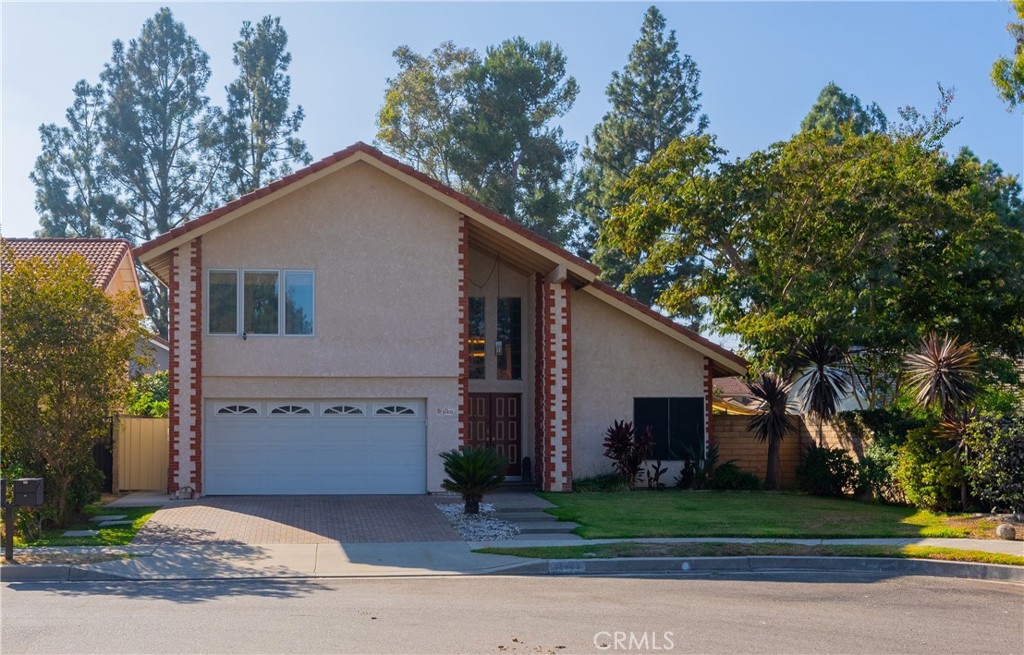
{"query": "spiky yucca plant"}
(773, 420)
(942, 372)
(473, 472)
(824, 382)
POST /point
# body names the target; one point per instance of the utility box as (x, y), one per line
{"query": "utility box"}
(28, 492)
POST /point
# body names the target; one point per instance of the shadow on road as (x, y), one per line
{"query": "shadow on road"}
(177, 591)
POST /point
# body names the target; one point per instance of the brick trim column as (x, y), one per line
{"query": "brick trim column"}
(173, 376)
(553, 384)
(185, 290)
(196, 360)
(463, 317)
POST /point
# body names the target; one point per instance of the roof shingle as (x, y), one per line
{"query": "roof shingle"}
(103, 255)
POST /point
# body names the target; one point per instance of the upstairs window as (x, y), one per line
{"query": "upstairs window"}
(508, 345)
(259, 304)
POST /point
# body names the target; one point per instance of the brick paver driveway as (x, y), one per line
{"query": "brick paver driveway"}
(298, 520)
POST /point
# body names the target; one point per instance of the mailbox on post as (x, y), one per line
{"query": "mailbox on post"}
(28, 492)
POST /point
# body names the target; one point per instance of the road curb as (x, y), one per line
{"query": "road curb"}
(53, 573)
(763, 564)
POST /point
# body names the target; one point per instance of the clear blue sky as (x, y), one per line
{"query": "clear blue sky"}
(762, 64)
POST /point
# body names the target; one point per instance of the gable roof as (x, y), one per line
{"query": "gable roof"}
(104, 256)
(149, 253)
(155, 253)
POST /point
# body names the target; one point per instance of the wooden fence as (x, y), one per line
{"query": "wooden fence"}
(140, 453)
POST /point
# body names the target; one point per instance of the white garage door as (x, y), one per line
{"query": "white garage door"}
(315, 447)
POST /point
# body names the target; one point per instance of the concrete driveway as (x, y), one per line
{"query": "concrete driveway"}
(298, 520)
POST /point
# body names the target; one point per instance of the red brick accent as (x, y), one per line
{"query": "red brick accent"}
(549, 388)
(709, 395)
(463, 268)
(196, 360)
(539, 380)
(567, 389)
(173, 377)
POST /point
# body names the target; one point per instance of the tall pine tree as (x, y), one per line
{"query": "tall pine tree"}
(835, 108)
(260, 133)
(161, 136)
(654, 100)
(74, 192)
(485, 126)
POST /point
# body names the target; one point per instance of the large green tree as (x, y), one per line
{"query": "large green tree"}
(160, 136)
(260, 132)
(74, 192)
(65, 355)
(1008, 73)
(486, 126)
(835, 108)
(654, 100)
(872, 239)
(417, 120)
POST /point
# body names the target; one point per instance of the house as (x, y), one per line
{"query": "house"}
(337, 330)
(113, 271)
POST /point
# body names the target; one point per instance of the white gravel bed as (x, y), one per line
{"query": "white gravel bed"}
(478, 527)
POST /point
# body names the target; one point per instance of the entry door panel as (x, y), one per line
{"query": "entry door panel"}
(496, 422)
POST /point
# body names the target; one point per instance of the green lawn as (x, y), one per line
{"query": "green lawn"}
(752, 514)
(707, 549)
(120, 535)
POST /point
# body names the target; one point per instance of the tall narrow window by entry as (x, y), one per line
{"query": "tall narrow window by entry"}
(508, 345)
(477, 341)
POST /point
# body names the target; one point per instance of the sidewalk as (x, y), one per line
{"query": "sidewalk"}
(330, 560)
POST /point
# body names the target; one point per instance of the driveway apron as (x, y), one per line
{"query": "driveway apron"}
(297, 520)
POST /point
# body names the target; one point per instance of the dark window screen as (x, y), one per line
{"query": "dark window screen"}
(677, 424)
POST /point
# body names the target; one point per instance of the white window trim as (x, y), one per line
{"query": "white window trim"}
(217, 407)
(306, 406)
(240, 302)
(378, 406)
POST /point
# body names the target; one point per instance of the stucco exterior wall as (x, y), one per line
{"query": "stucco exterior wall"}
(385, 260)
(616, 358)
(386, 317)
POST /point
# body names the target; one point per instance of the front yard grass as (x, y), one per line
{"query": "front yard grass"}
(118, 535)
(710, 549)
(672, 513)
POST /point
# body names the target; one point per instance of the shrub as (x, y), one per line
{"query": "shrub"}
(729, 477)
(827, 472)
(930, 471)
(149, 396)
(697, 472)
(654, 474)
(627, 450)
(472, 473)
(606, 482)
(877, 474)
(996, 464)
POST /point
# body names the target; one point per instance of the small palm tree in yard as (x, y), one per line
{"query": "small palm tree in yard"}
(473, 472)
(824, 382)
(942, 374)
(772, 421)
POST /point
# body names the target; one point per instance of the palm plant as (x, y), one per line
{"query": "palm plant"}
(473, 472)
(824, 382)
(773, 420)
(942, 374)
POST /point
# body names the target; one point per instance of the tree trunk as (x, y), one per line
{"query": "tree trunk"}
(771, 479)
(472, 504)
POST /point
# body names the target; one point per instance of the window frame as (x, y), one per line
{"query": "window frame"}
(681, 438)
(282, 291)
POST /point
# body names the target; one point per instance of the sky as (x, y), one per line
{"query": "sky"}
(762, 64)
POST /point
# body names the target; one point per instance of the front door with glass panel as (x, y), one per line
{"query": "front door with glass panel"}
(495, 421)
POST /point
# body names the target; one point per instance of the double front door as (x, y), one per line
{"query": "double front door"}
(495, 421)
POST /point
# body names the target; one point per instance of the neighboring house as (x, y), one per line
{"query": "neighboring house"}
(732, 396)
(337, 330)
(113, 271)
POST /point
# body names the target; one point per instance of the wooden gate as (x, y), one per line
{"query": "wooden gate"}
(140, 453)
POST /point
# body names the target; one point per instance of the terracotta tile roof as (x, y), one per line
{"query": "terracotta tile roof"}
(341, 155)
(103, 255)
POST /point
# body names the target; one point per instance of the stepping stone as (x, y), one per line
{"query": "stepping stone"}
(111, 524)
(108, 517)
(80, 533)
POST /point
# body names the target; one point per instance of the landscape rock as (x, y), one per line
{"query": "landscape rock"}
(1006, 531)
(478, 527)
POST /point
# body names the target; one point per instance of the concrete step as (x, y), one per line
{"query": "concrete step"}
(524, 515)
(546, 527)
